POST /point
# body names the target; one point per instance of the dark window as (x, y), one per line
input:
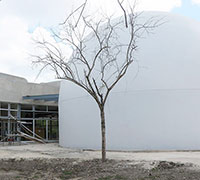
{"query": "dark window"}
(45, 115)
(53, 129)
(26, 114)
(52, 108)
(13, 106)
(4, 105)
(40, 108)
(13, 113)
(3, 113)
(26, 107)
(40, 128)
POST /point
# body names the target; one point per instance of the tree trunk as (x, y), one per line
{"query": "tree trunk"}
(103, 135)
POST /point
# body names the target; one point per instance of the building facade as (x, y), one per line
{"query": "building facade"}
(28, 111)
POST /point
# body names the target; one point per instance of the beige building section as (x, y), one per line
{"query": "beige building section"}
(13, 88)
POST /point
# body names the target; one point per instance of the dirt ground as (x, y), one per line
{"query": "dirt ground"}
(49, 162)
(46, 169)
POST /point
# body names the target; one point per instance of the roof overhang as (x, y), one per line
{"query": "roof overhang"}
(46, 97)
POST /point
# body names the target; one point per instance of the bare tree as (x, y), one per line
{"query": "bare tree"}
(94, 64)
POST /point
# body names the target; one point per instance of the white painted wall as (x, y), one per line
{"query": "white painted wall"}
(157, 110)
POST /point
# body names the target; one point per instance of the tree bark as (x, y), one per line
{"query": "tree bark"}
(103, 135)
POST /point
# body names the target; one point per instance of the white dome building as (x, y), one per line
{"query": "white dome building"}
(159, 109)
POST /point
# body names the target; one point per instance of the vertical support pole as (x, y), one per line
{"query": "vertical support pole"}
(33, 127)
(0, 130)
(33, 120)
(18, 119)
(50, 129)
(9, 125)
(47, 130)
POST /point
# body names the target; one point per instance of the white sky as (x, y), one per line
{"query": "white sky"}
(21, 20)
(196, 1)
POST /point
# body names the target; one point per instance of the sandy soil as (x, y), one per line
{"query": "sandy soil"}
(53, 150)
(49, 161)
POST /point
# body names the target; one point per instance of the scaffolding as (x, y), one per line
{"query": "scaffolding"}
(26, 122)
(15, 133)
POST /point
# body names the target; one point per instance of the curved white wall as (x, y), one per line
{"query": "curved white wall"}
(157, 110)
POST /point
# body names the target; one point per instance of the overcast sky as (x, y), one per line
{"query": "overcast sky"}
(21, 20)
